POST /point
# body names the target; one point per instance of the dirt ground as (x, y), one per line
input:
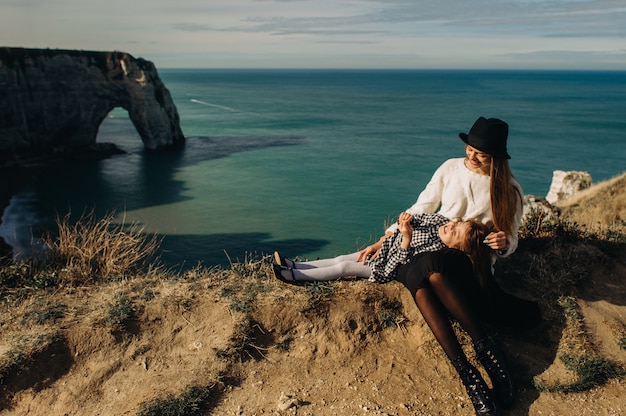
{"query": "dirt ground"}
(330, 359)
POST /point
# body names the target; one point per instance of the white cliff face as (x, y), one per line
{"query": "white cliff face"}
(566, 184)
(52, 100)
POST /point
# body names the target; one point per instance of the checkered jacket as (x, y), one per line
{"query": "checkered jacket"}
(425, 238)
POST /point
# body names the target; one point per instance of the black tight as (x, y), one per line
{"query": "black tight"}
(437, 298)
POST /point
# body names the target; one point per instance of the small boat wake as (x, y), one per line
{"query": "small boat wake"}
(222, 107)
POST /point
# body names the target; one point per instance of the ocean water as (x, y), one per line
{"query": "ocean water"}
(316, 162)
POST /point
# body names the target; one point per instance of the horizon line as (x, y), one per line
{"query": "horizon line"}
(260, 68)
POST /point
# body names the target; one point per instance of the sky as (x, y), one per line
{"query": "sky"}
(435, 34)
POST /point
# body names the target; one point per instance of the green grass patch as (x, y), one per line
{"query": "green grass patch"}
(43, 313)
(390, 313)
(194, 401)
(590, 371)
(121, 311)
(319, 291)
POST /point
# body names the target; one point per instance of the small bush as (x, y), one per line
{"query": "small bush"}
(251, 280)
(147, 295)
(28, 273)
(15, 274)
(320, 291)
(621, 342)
(42, 314)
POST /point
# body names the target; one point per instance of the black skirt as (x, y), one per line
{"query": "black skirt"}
(491, 304)
(452, 263)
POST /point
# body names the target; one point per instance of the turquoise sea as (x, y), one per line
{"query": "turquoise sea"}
(315, 162)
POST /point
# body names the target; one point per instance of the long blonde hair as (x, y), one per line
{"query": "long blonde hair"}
(505, 197)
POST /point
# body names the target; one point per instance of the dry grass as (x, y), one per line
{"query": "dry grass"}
(191, 402)
(556, 257)
(97, 249)
(599, 208)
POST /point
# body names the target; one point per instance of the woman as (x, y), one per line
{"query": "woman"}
(442, 283)
(415, 234)
(462, 188)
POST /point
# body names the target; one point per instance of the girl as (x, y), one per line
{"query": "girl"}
(415, 234)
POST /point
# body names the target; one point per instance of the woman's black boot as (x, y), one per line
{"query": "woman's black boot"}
(484, 405)
(493, 361)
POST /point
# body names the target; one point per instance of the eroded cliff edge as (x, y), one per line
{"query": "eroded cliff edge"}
(53, 101)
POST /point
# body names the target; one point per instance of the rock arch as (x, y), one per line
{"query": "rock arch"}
(55, 100)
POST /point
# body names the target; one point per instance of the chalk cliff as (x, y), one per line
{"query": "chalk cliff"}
(53, 101)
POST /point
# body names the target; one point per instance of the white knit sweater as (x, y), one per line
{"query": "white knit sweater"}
(461, 194)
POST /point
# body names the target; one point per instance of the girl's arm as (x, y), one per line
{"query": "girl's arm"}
(404, 225)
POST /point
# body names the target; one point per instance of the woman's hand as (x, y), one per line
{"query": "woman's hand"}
(371, 252)
(497, 241)
(368, 253)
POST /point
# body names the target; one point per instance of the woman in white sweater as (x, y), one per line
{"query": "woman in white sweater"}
(461, 188)
(442, 283)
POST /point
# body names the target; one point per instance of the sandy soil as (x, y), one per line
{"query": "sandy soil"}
(329, 358)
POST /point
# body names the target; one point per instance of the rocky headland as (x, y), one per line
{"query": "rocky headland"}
(53, 101)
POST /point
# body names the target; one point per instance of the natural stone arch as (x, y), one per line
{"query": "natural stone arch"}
(55, 100)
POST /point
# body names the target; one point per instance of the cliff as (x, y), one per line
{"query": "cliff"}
(52, 101)
(240, 342)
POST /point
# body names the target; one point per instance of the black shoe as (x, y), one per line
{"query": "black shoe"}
(484, 405)
(282, 261)
(495, 364)
(287, 277)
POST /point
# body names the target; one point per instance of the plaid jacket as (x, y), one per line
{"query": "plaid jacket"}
(425, 238)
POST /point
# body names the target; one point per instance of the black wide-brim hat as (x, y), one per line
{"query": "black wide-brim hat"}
(488, 135)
